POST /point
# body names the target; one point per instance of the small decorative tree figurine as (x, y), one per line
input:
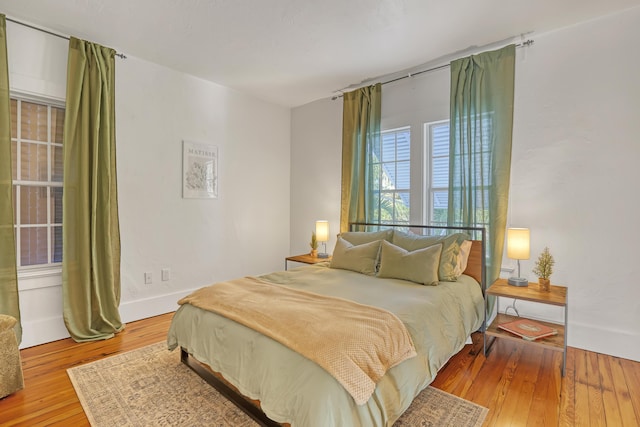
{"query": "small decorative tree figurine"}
(314, 245)
(544, 269)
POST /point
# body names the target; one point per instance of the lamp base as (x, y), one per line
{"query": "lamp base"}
(323, 255)
(518, 281)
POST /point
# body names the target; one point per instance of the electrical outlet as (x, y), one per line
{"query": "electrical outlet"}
(166, 274)
(148, 279)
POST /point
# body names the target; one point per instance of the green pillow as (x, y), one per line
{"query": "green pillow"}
(360, 237)
(448, 257)
(419, 266)
(360, 258)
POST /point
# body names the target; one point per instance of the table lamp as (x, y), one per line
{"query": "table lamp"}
(322, 235)
(518, 248)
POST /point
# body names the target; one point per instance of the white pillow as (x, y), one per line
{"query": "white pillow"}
(463, 258)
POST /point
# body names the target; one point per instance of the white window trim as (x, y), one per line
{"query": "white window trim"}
(39, 277)
(31, 97)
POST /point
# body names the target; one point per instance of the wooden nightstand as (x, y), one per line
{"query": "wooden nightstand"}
(305, 259)
(557, 296)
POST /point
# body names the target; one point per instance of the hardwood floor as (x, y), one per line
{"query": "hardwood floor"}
(521, 385)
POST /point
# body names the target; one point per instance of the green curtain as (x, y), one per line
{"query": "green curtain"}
(8, 274)
(360, 134)
(90, 226)
(481, 124)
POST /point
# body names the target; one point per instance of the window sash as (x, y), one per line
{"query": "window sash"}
(391, 166)
(41, 229)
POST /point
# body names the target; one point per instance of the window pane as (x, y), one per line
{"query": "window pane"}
(440, 172)
(33, 121)
(56, 244)
(401, 205)
(56, 205)
(56, 163)
(439, 204)
(403, 145)
(386, 207)
(33, 246)
(57, 124)
(440, 140)
(389, 147)
(403, 178)
(388, 176)
(33, 162)
(33, 205)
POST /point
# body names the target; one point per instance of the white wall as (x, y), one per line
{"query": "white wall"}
(574, 169)
(316, 164)
(245, 231)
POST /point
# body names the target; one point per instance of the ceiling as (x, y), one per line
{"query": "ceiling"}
(291, 52)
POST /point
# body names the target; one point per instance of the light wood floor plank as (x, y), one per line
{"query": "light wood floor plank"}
(622, 395)
(518, 385)
(594, 386)
(609, 397)
(497, 374)
(567, 407)
(519, 395)
(583, 416)
(546, 390)
(631, 376)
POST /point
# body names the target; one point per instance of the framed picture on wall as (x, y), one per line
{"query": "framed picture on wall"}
(199, 170)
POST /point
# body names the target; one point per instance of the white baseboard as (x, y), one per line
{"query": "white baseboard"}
(41, 331)
(131, 311)
(606, 341)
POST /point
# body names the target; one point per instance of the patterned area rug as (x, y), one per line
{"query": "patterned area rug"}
(151, 387)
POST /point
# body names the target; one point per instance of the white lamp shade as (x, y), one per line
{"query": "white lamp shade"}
(518, 243)
(322, 231)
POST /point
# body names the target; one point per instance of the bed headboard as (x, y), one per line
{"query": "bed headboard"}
(476, 263)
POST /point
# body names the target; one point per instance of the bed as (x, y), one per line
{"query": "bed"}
(276, 385)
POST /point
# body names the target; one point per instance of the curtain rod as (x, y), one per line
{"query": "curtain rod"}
(333, 98)
(24, 24)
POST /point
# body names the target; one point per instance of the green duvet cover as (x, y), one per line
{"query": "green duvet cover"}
(293, 389)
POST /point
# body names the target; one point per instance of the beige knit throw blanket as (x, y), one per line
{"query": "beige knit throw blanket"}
(355, 343)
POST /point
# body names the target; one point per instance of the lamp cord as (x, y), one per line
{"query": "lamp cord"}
(512, 306)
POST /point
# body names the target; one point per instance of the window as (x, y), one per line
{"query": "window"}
(36, 156)
(391, 176)
(436, 142)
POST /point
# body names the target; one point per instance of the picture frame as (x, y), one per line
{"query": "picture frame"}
(199, 170)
